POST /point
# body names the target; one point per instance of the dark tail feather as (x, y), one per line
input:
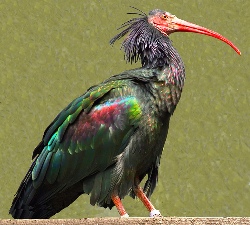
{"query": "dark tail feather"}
(19, 207)
(29, 202)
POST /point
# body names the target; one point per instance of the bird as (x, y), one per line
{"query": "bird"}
(105, 142)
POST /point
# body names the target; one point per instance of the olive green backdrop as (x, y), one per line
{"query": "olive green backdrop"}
(52, 51)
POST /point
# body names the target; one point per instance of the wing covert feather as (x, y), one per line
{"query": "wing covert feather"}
(86, 137)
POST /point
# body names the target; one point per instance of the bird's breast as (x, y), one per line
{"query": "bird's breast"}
(167, 96)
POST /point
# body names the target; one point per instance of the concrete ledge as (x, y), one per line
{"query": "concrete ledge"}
(136, 220)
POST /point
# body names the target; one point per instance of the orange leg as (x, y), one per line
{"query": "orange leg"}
(140, 194)
(118, 203)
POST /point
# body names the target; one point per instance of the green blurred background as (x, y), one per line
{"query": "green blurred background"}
(52, 51)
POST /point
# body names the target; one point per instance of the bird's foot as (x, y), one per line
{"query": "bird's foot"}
(155, 213)
(125, 216)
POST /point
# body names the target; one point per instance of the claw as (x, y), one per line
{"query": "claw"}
(155, 213)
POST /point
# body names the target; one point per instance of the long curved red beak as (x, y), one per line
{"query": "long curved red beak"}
(182, 25)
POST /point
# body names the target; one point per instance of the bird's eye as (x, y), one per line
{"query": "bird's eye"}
(164, 16)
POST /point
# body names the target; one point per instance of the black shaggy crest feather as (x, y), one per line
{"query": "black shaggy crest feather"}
(145, 43)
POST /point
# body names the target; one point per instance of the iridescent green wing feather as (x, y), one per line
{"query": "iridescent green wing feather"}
(87, 136)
